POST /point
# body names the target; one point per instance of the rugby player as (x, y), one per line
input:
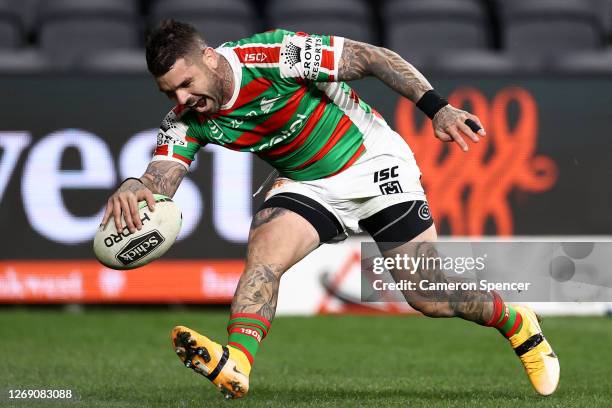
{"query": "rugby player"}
(284, 97)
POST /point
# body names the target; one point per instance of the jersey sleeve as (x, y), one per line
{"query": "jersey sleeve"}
(287, 55)
(310, 56)
(176, 140)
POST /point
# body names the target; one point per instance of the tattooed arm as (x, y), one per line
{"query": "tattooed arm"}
(161, 177)
(359, 60)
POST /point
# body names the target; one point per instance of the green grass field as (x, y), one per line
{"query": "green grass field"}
(123, 358)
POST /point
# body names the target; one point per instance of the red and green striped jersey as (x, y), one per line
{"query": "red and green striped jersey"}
(285, 108)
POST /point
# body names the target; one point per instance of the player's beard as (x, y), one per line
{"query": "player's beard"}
(205, 102)
(217, 95)
(225, 78)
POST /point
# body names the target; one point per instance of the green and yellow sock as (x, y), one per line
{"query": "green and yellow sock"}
(246, 331)
(505, 318)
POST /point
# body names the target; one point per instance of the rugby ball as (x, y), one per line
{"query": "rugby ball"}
(126, 250)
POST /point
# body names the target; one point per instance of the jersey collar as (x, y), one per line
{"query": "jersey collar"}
(232, 58)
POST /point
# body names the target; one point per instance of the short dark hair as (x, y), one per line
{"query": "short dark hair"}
(170, 41)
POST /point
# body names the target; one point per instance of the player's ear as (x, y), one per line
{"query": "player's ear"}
(210, 57)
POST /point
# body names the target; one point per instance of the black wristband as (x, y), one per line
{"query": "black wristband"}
(131, 178)
(430, 103)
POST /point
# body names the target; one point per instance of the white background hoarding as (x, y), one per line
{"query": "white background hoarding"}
(329, 281)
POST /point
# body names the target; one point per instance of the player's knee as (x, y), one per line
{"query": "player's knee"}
(432, 309)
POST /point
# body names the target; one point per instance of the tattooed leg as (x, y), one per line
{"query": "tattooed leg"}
(278, 239)
(473, 305)
(257, 290)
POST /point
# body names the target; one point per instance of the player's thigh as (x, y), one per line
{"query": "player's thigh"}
(404, 229)
(290, 224)
(396, 226)
(281, 237)
(423, 245)
(430, 234)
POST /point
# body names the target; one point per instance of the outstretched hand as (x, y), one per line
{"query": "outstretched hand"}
(125, 201)
(449, 126)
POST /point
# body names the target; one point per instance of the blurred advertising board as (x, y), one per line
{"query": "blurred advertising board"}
(86, 281)
(67, 141)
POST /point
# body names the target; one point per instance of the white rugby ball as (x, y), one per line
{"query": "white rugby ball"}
(126, 250)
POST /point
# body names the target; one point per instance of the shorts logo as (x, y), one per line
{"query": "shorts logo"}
(392, 187)
(386, 174)
(424, 212)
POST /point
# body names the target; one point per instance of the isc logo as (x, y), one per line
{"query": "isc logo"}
(391, 187)
(255, 57)
(384, 174)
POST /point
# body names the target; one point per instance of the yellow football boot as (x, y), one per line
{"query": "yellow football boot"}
(227, 367)
(540, 361)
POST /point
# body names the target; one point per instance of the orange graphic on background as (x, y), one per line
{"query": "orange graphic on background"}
(468, 189)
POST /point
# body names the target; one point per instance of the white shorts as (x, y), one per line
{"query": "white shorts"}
(385, 174)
